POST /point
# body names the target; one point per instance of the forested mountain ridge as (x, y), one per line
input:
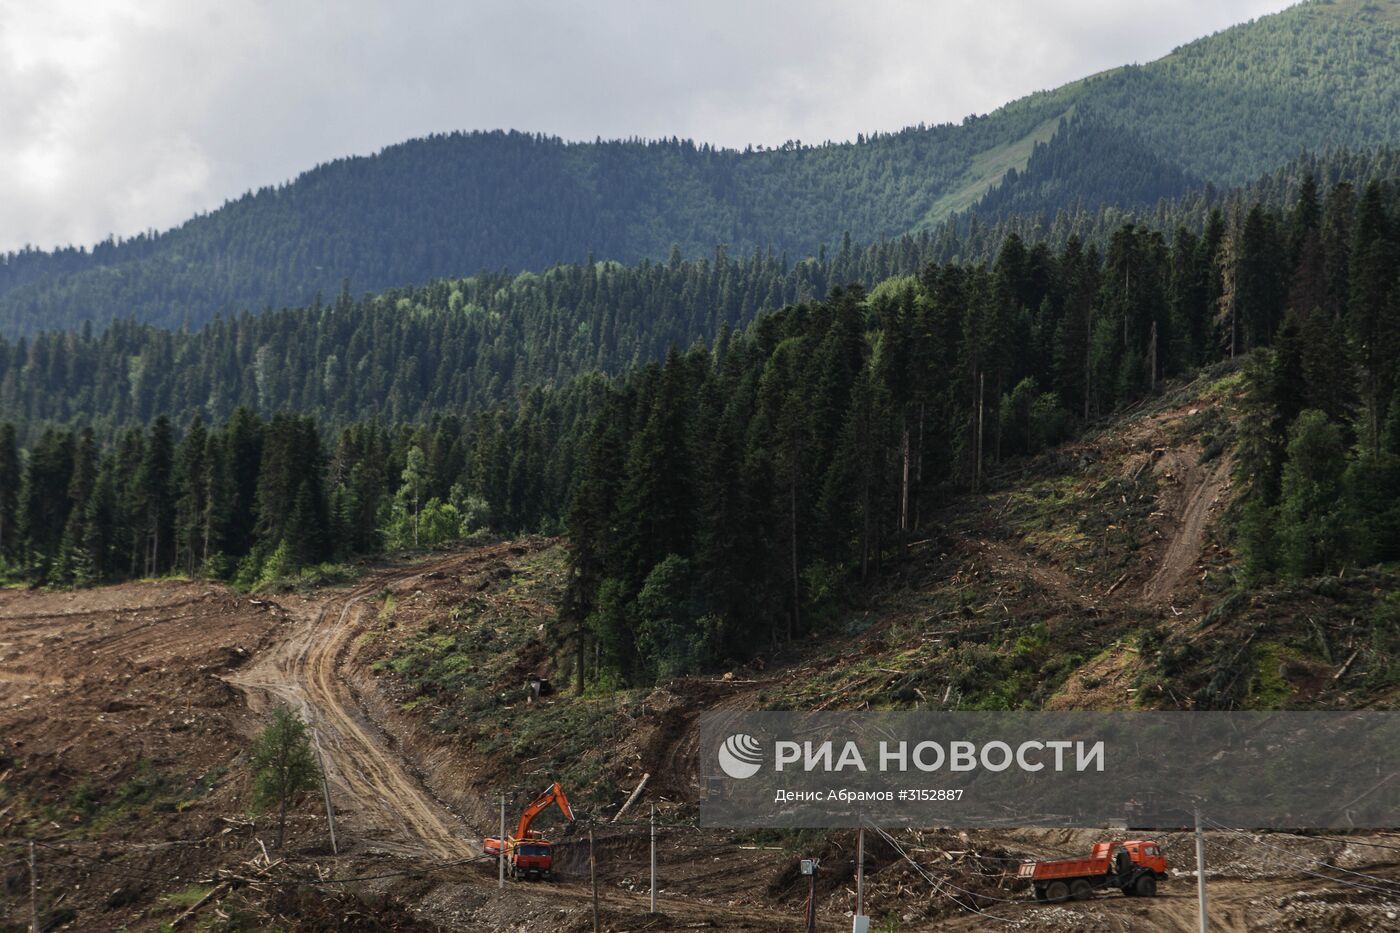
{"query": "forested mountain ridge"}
(1220, 110)
(460, 345)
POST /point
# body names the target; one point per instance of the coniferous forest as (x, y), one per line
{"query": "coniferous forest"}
(458, 345)
(717, 499)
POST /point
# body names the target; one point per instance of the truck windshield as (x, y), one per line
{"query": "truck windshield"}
(533, 850)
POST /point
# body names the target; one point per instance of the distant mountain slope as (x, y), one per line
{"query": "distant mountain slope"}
(1088, 164)
(1223, 109)
(460, 345)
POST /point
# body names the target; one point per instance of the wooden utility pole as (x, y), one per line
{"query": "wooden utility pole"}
(325, 791)
(653, 859)
(33, 891)
(593, 878)
(501, 856)
(1152, 358)
(860, 872)
(812, 899)
(1200, 873)
(981, 395)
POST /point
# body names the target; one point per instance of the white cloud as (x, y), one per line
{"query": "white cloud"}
(118, 116)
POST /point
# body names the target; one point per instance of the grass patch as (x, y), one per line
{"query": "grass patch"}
(463, 669)
(1267, 688)
(1020, 675)
(1083, 524)
(309, 578)
(989, 168)
(187, 897)
(95, 804)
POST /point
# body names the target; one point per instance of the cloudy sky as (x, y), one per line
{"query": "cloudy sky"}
(118, 116)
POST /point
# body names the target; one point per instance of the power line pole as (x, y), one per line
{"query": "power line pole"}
(860, 872)
(501, 855)
(325, 791)
(1200, 872)
(1152, 357)
(981, 394)
(653, 859)
(812, 903)
(809, 868)
(33, 891)
(593, 878)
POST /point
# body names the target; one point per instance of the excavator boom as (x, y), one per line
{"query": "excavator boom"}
(555, 795)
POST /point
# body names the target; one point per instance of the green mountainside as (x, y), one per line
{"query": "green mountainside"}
(464, 344)
(1222, 110)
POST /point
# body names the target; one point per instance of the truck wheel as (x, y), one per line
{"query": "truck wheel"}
(1056, 891)
(1039, 892)
(1145, 886)
(1127, 890)
(1080, 890)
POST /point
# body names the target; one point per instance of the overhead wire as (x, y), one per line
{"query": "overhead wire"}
(939, 883)
(1299, 866)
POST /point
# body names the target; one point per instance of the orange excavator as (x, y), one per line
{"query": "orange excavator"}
(528, 853)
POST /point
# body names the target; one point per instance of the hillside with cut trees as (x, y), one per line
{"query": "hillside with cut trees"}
(721, 499)
(340, 521)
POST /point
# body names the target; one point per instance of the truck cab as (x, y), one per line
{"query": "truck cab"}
(532, 859)
(1147, 854)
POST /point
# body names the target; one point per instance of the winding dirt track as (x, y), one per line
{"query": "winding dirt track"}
(378, 797)
(1203, 488)
(370, 781)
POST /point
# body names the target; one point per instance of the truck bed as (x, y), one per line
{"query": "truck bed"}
(1064, 868)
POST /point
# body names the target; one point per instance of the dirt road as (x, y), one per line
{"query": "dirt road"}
(384, 804)
(1202, 487)
(369, 780)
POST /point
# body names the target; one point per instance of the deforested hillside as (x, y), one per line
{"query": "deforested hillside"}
(1106, 573)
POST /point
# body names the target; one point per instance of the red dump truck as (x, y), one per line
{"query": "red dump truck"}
(1133, 867)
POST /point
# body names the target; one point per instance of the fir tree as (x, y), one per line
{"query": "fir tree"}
(9, 493)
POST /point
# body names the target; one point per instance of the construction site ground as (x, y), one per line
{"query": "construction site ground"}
(1092, 577)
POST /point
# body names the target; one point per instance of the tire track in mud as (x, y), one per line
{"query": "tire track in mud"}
(302, 670)
(376, 791)
(1203, 489)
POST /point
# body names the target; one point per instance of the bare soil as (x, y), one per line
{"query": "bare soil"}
(127, 713)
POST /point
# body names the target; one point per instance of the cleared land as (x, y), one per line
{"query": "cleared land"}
(126, 714)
